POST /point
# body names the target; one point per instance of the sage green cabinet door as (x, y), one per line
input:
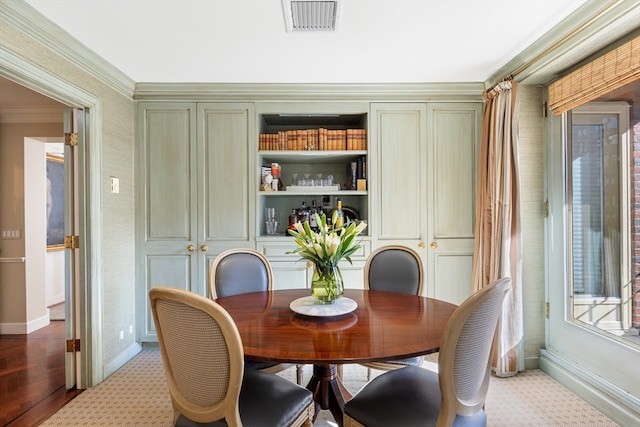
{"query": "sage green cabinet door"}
(425, 175)
(290, 274)
(224, 134)
(193, 191)
(223, 161)
(398, 178)
(452, 157)
(167, 175)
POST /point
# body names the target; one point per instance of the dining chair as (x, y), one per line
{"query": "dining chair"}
(203, 362)
(394, 268)
(453, 396)
(239, 271)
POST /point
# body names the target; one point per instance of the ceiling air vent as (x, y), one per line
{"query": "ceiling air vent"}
(310, 15)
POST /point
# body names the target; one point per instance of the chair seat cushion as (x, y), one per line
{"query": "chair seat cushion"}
(408, 396)
(266, 400)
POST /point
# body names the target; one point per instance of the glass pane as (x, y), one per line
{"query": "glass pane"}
(595, 164)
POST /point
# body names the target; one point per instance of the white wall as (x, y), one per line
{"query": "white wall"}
(35, 234)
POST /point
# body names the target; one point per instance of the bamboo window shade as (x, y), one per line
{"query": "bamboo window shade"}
(611, 71)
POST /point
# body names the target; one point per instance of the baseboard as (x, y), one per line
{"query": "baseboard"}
(602, 395)
(531, 363)
(121, 359)
(22, 328)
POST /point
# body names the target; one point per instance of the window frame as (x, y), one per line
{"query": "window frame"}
(621, 109)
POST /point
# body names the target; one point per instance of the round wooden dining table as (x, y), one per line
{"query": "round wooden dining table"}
(383, 326)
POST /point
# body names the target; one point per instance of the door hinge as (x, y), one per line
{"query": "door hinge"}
(546, 310)
(544, 109)
(545, 209)
(72, 242)
(73, 345)
(71, 139)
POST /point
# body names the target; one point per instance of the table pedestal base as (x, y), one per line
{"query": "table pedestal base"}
(328, 391)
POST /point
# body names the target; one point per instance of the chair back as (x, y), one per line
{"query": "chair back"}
(464, 363)
(201, 353)
(394, 268)
(239, 271)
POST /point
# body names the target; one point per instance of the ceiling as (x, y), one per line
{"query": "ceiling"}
(245, 41)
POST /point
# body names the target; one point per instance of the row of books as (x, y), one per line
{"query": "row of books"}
(315, 139)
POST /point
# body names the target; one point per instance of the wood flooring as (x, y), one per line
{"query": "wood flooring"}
(32, 376)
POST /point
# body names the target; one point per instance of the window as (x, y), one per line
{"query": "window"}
(599, 190)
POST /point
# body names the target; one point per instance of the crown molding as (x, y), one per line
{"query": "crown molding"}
(32, 114)
(29, 21)
(471, 92)
(592, 27)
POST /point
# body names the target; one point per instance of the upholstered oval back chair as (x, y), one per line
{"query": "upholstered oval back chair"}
(453, 396)
(203, 362)
(394, 268)
(239, 271)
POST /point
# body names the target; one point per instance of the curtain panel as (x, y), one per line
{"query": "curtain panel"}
(497, 251)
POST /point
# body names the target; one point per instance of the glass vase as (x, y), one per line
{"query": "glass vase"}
(326, 284)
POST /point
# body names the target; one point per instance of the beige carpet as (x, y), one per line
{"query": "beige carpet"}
(137, 396)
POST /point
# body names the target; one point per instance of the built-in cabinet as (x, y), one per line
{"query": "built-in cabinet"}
(425, 167)
(314, 160)
(193, 188)
(200, 188)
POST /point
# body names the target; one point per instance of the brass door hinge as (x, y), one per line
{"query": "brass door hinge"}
(73, 345)
(71, 139)
(546, 310)
(545, 208)
(71, 242)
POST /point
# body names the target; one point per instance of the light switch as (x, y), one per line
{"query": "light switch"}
(115, 184)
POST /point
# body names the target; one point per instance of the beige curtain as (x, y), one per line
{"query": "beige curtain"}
(497, 251)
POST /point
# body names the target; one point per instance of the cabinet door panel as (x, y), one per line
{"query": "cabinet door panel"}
(352, 275)
(224, 157)
(454, 133)
(168, 170)
(454, 172)
(291, 275)
(166, 202)
(166, 270)
(400, 134)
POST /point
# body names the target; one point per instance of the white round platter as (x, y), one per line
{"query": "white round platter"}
(309, 306)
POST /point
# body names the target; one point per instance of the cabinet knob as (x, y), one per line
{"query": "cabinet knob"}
(191, 248)
(204, 248)
(421, 245)
(309, 264)
(434, 245)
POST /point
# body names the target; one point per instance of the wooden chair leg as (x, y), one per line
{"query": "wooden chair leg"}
(299, 374)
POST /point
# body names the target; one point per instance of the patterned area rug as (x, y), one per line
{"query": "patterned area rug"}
(137, 396)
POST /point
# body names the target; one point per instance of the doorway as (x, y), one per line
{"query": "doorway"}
(25, 113)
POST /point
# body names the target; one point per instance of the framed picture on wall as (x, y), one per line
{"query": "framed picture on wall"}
(55, 203)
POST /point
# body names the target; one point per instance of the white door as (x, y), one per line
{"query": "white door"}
(74, 129)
